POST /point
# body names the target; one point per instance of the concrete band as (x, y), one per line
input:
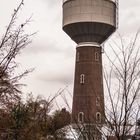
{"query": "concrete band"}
(91, 44)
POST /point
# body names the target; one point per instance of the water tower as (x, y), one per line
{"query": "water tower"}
(89, 23)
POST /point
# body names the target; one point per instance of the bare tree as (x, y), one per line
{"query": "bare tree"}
(11, 44)
(121, 90)
(122, 87)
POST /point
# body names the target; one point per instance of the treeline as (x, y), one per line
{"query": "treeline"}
(32, 121)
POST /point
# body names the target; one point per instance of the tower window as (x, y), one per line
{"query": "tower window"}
(77, 57)
(98, 117)
(98, 101)
(82, 78)
(80, 117)
(96, 56)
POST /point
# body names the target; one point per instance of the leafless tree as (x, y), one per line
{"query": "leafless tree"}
(12, 42)
(121, 91)
(122, 86)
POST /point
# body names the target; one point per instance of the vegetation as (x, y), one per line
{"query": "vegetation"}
(11, 44)
(32, 120)
(18, 120)
(122, 84)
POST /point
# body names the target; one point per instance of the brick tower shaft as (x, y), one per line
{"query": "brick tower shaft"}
(88, 99)
(89, 23)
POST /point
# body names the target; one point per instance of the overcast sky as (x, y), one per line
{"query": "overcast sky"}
(52, 52)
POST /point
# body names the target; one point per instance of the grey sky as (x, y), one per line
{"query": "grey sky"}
(52, 52)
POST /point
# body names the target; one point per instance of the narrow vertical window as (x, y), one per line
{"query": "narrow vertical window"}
(96, 56)
(98, 117)
(80, 117)
(98, 101)
(82, 78)
(77, 57)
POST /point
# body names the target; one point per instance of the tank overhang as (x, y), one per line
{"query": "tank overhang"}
(89, 31)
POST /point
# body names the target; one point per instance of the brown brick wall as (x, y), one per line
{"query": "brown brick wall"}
(89, 63)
